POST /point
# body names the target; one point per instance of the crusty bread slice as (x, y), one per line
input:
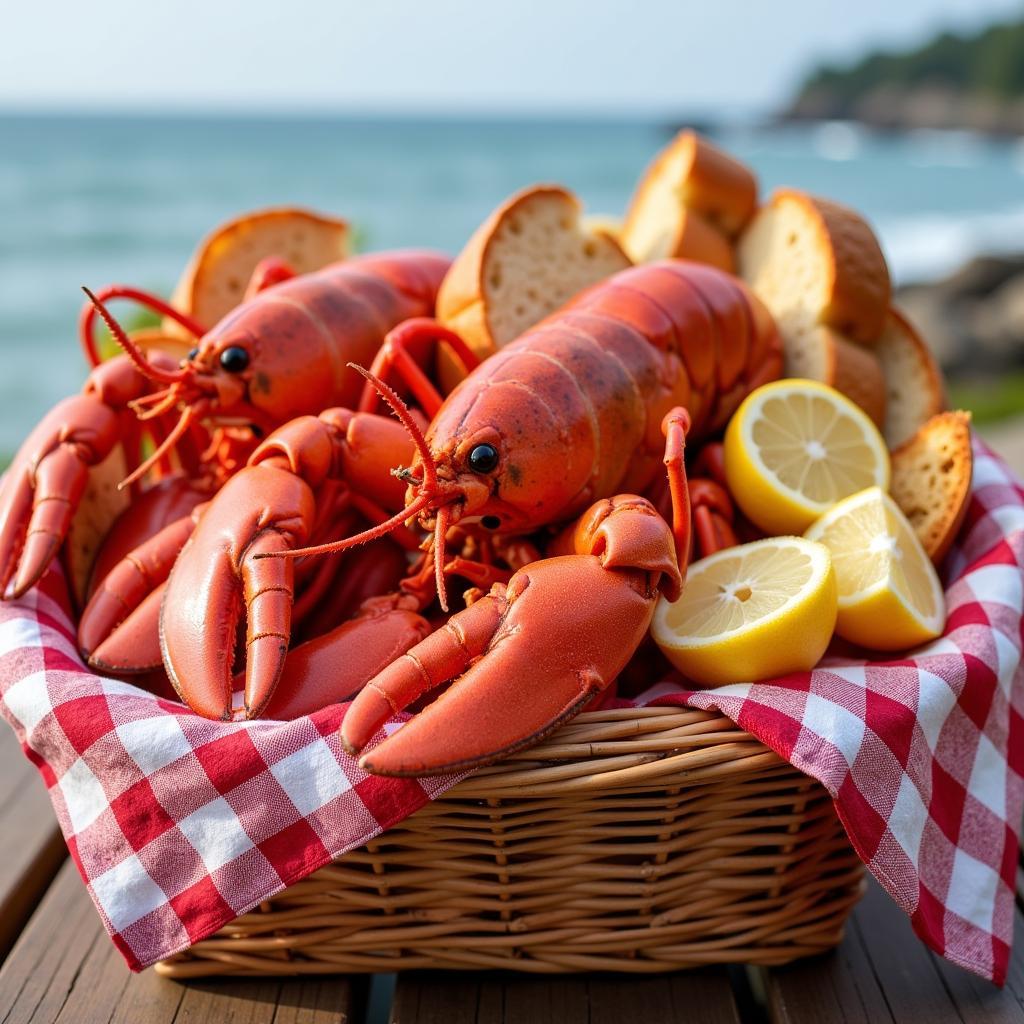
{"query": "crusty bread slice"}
(913, 380)
(812, 261)
(216, 277)
(691, 202)
(528, 258)
(822, 353)
(101, 503)
(931, 479)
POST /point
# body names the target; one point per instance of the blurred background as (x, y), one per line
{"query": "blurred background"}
(128, 131)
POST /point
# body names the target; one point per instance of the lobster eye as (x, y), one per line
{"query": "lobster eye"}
(192, 353)
(483, 458)
(234, 359)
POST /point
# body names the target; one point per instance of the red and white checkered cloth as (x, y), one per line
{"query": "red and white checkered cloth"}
(178, 824)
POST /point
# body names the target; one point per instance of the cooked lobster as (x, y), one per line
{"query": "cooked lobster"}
(281, 354)
(564, 429)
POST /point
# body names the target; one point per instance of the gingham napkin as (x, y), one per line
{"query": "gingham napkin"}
(178, 824)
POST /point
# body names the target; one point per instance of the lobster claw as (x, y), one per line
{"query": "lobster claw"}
(44, 485)
(119, 628)
(261, 509)
(525, 658)
(334, 666)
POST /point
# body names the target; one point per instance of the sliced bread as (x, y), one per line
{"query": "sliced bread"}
(216, 277)
(812, 261)
(528, 258)
(913, 381)
(691, 202)
(826, 355)
(931, 479)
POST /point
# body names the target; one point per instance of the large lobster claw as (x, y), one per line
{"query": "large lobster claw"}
(42, 488)
(262, 508)
(527, 656)
(334, 666)
(268, 508)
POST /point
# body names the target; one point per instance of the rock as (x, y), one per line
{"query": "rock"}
(981, 276)
(974, 318)
(997, 322)
(927, 309)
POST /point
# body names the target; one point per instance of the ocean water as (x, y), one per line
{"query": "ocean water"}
(90, 200)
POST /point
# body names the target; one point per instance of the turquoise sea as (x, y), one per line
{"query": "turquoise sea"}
(90, 200)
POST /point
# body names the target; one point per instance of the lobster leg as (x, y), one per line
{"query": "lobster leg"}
(712, 517)
(269, 271)
(46, 480)
(403, 348)
(266, 508)
(118, 631)
(526, 657)
(42, 488)
(333, 667)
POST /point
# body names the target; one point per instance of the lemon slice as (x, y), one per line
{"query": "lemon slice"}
(751, 612)
(796, 447)
(890, 597)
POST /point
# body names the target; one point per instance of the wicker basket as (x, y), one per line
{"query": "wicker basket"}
(637, 840)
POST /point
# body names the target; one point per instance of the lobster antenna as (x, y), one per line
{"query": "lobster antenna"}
(380, 530)
(120, 291)
(401, 410)
(159, 403)
(186, 419)
(441, 524)
(137, 356)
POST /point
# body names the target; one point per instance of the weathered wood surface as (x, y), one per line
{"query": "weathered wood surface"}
(883, 973)
(439, 998)
(31, 846)
(65, 969)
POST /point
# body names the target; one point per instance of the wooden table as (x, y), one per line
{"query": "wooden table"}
(60, 966)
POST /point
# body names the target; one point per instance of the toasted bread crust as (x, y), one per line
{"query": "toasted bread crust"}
(931, 479)
(915, 390)
(462, 302)
(853, 290)
(857, 373)
(696, 239)
(691, 202)
(708, 181)
(200, 292)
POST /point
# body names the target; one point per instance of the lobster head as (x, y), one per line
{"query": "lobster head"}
(493, 456)
(501, 459)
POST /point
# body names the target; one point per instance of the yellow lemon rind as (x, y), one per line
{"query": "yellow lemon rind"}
(793, 638)
(763, 497)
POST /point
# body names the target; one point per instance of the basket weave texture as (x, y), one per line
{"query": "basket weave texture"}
(635, 840)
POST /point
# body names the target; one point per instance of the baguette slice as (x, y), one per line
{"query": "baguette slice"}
(528, 258)
(216, 277)
(913, 380)
(690, 174)
(812, 261)
(824, 354)
(931, 479)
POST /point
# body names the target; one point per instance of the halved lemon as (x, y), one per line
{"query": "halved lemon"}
(890, 597)
(751, 612)
(796, 447)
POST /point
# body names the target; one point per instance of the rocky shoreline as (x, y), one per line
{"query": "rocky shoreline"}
(928, 107)
(973, 318)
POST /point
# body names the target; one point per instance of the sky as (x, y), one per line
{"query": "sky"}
(445, 56)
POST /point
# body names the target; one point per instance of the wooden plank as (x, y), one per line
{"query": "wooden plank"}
(464, 998)
(31, 846)
(65, 970)
(883, 972)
